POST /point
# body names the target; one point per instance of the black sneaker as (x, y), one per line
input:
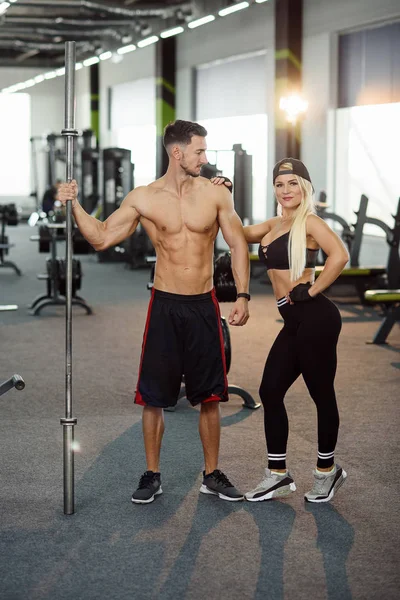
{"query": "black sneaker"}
(149, 487)
(218, 484)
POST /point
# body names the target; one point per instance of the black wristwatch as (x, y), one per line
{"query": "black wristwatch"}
(243, 295)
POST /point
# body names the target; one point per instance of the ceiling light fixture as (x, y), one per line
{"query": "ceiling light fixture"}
(202, 21)
(147, 41)
(234, 8)
(91, 61)
(170, 32)
(126, 49)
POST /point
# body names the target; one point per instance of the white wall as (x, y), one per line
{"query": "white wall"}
(139, 64)
(47, 111)
(323, 20)
(319, 88)
(15, 123)
(133, 125)
(238, 34)
(47, 98)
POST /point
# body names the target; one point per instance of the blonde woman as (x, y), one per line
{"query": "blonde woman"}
(306, 345)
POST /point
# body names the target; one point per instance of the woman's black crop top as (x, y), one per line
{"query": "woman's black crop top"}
(275, 254)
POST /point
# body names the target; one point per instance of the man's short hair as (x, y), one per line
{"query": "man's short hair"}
(181, 132)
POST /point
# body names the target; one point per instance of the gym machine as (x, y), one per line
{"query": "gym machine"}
(8, 216)
(117, 178)
(118, 174)
(35, 176)
(89, 188)
(209, 171)
(55, 275)
(225, 290)
(347, 231)
(238, 166)
(391, 236)
(243, 184)
(85, 164)
(389, 300)
(90, 196)
(363, 278)
(56, 156)
(118, 181)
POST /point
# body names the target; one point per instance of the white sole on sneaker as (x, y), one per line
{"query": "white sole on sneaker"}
(274, 494)
(157, 493)
(205, 490)
(333, 491)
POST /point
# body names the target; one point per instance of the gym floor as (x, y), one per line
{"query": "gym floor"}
(184, 545)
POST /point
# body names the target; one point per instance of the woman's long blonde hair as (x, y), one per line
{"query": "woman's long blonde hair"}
(297, 248)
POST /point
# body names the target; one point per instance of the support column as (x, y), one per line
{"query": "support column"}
(288, 57)
(165, 95)
(94, 102)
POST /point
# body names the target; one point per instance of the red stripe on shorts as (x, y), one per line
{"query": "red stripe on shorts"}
(138, 395)
(221, 338)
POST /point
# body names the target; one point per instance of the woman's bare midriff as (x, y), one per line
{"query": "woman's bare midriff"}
(281, 283)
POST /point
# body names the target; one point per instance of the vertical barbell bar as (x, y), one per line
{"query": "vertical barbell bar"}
(68, 423)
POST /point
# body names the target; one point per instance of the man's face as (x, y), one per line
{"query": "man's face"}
(193, 156)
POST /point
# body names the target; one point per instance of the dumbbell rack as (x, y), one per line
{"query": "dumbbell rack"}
(53, 297)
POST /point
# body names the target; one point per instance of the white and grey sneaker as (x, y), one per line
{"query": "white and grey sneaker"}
(274, 485)
(325, 486)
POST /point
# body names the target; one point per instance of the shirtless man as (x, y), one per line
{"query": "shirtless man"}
(182, 213)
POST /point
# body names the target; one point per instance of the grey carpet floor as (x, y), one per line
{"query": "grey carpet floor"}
(184, 545)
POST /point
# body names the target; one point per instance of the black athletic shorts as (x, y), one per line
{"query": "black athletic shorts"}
(183, 337)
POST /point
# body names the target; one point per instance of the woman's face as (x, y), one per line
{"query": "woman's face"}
(287, 191)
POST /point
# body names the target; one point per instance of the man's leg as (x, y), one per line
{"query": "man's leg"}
(150, 481)
(210, 433)
(153, 429)
(214, 481)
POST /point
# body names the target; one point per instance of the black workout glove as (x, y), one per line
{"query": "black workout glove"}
(227, 180)
(300, 293)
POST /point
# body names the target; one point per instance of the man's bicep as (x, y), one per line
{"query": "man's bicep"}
(125, 219)
(231, 226)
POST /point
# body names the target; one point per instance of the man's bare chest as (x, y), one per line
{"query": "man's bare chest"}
(175, 216)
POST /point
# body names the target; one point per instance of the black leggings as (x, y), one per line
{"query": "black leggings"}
(306, 345)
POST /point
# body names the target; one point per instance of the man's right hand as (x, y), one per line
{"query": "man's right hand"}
(239, 314)
(68, 191)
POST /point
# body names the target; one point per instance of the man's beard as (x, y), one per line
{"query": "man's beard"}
(188, 171)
